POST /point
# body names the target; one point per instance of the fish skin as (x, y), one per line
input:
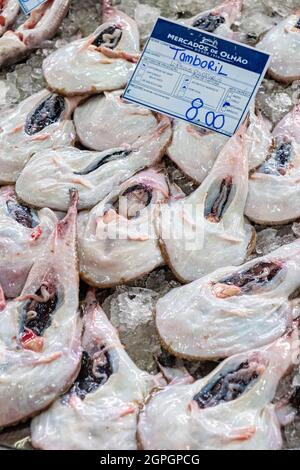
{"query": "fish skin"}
(247, 423)
(65, 70)
(20, 245)
(107, 418)
(209, 320)
(8, 14)
(273, 198)
(42, 25)
(17, 147)
(191, 243)
(282, 42)
(194, 149)
(230, 10)
(107, 121)
(54, 173)
(31, 380)
(132, 249)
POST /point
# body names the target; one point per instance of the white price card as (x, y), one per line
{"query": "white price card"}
(29, 5)
(196, 76)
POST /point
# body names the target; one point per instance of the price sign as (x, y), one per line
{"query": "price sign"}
(29, 5)
(196, 76)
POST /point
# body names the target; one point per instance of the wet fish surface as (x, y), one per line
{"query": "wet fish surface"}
(100, 411)
(40, 332)
(232, 310)
(230, 409)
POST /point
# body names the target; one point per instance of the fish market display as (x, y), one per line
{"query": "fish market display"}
(218, 20)
(118, 242)
(40, 332)
(9, 10)
(283, 43)
(207, 230)
(23, 232)
(48, 177)
(101, 62)
(42, 121)
(101, 409)
(107, 121)
(230, 409)
(232, 310)
(41, 25)
(188, 239)
(274, 192)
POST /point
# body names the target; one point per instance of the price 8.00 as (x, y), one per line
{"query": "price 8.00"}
(217, 121)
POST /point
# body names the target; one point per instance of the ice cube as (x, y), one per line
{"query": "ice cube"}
(270, 239)
(131, 311)
(146, 16)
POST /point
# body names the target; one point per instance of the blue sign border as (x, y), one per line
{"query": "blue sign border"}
(27, 11)
(259, 64)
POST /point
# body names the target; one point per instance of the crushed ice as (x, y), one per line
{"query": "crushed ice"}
(131, 308)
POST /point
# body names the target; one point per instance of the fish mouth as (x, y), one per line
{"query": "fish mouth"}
(96, 369)
(133, 200)
(229, 386)
(218, 200)
(130, 204)
(109, 37)
(37, 315)
(248, 281)
(22, 214)
(209, 22)
(46, 113)
(111, 156)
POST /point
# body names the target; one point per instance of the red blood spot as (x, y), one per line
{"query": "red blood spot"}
(28, 335)
(20, 36)
(36, 233)
(2, 20)
(2, 300)
(31, 341)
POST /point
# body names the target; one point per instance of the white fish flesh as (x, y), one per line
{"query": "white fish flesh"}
(230, 409)
(40, 332)
(233, 309)
(259, 138)
(101, 62)
(274, 193)
(207, 229)
(42, 25)
(283, 43)
(9, 10)
(42, 121)
(117, 239)
(195, 149)
(100, 411)
(23, 232)
(48, 177)
(107, 121)
(218, 20)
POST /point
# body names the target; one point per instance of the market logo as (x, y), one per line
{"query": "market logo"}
(208, 46)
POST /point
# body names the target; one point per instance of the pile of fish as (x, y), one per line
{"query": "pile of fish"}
(85, 195)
